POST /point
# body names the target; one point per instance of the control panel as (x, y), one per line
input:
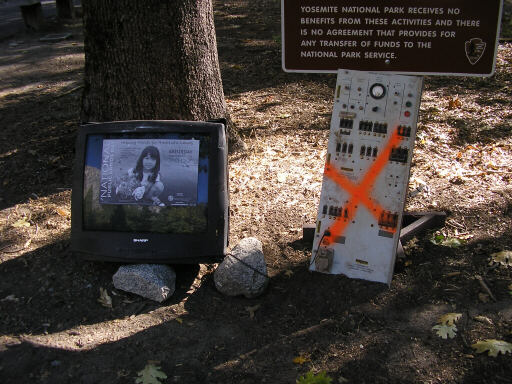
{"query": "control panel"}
(373, 127)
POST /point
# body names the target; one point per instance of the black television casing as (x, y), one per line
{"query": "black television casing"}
(163, 248)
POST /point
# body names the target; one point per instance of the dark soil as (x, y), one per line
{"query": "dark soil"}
(54, 330)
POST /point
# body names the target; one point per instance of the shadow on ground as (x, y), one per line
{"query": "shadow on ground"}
(357, 330)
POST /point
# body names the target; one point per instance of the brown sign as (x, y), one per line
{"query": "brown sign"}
(449, 37)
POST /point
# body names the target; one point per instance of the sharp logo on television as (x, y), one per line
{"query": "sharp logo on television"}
(140, 240)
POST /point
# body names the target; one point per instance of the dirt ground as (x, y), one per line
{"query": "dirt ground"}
(54, 330)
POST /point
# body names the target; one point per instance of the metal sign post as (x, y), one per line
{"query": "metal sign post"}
(373, 124)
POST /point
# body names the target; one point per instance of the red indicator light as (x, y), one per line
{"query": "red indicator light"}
(407, 113)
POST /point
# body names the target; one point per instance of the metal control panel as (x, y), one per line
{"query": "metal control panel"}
(373, 127)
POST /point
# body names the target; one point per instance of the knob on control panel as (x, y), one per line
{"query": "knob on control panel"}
(377, 91)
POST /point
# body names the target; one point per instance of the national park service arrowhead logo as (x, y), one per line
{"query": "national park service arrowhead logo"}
(475, 50)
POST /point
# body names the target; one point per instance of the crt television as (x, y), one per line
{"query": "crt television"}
(151, 192)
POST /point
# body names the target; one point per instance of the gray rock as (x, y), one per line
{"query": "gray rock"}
(152, 281)
(244, 271)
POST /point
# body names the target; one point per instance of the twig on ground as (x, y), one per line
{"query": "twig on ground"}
(485, 287)
(69, 92)
(14, 251)
(483, 173)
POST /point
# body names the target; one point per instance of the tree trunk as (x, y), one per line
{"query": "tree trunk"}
(151, 60)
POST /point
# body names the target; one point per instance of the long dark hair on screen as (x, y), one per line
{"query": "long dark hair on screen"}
(155, 154)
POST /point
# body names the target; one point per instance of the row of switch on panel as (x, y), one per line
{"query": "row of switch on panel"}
(399, 154)
(377, 109)
(376, 127)
(386, 218)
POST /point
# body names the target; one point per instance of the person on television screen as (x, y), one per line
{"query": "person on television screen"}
(145, 177)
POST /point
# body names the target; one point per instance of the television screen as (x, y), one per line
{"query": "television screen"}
(163, 184)
(157, 183)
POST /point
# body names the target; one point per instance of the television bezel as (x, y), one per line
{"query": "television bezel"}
(146, 247)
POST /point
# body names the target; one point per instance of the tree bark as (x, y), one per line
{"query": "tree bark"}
(151, 60)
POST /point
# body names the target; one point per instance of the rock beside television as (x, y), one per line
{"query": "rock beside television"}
(244, 271)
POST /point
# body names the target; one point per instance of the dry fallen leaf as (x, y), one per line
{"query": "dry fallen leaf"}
(151, 374)
(449, 318)
(451, 242)
(493, 346)
(288, 273)
(492, 165)
(483, 297)
(21, 223)
(104, 298)
(445, 330)
(503, 258)
(179, 320)
(10, 298)
(483, 319)
(454, 103)
(252, 310)
(281, 177)
(62, 212)
(300, 360)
